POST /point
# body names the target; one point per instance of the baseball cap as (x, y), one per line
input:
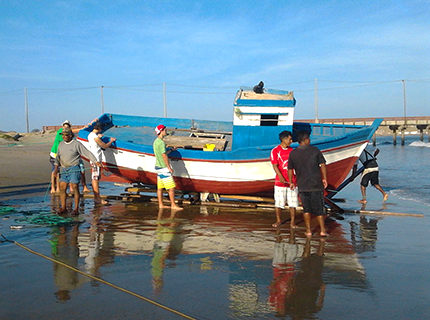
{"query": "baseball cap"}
(160, 128)
(66, 122)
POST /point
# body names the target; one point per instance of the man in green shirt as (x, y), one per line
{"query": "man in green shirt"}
(163, 168)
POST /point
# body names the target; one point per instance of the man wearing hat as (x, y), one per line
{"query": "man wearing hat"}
(68, 156)
(163, 168)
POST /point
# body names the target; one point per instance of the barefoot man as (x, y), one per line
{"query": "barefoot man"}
(309, 164)
(163, 168)
(97, 145)
(371, 174)
(68, 156)
(283, 193)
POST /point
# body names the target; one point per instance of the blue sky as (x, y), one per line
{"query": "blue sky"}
(64, 51)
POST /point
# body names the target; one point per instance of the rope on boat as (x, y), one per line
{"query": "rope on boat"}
(99, 279)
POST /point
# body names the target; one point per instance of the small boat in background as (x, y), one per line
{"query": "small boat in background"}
(227, 158)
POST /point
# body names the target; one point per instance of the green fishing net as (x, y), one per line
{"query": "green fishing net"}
(48, 219)
(7, 210)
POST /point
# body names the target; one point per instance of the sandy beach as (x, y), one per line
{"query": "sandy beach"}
(24, 164)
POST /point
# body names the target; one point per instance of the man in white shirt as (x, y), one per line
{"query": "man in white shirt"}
(96, 144)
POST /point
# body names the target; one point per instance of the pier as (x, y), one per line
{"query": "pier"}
(390, 126)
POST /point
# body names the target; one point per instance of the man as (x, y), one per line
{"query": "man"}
(55, 184)
(96, 144)
(371, 173)
(283, 193)
(309, 164)
(68, 155)
(164, 169)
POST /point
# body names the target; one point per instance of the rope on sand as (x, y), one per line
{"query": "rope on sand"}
(100, 280)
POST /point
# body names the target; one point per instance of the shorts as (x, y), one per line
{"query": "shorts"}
(96, 172)
(52, 161)
(164, 179)
(285, 195)
(70, 174)
(313, 202)
(373, 177)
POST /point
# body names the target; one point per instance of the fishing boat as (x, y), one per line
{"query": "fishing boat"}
(227, 158)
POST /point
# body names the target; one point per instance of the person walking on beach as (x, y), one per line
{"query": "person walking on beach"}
(163, 168)
(309, 164)
(96, 144)
(55, 184)
(371, 173)
(283, 193)
(68, 155)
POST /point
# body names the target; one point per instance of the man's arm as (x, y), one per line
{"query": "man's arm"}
(87, 153)
(278, 173)
(324, 174)
(167, 162)
(290, 177)
(102, 144)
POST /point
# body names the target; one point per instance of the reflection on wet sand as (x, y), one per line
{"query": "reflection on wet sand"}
(267, 273)
(167, 245)
(64, 248)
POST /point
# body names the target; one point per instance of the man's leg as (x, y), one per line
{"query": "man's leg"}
(307, 218)
(172, 199)
(293, 203)
(63, 196)
(280, 195)
(363, 193)
(293, 217)
(321, 221)
(76, 195)
(84, 183)
(160, 198)
(378, 187)
(96, 191)
(53, 182)
(95, 177)
(278, 212)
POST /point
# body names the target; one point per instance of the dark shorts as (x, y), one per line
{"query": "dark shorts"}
(373, 177)
(313, 202)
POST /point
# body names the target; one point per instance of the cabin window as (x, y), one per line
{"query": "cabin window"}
(269, 120)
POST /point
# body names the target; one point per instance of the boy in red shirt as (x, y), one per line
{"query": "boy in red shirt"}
(283, 193)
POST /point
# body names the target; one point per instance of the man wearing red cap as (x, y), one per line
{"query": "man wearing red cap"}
(163, 168)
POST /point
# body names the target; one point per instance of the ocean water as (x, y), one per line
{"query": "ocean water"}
(212, 262)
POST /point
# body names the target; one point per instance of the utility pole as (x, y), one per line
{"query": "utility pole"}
(316, 100)
(404, 113)
(26, 109)
(102, 101)
(404, 99)
(164, 100)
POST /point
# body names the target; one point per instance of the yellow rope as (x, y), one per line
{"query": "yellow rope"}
(105, 282)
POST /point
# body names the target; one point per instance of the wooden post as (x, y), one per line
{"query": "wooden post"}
(394, 129)
(403, 138)
(374, 139)
(421, 127)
